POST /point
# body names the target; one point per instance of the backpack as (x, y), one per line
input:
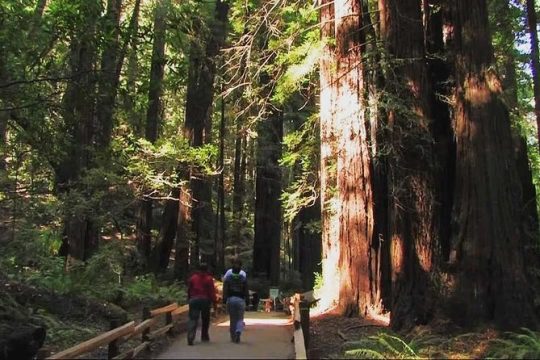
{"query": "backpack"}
(236, 285)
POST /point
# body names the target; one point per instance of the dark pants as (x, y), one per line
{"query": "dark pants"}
(198, 307)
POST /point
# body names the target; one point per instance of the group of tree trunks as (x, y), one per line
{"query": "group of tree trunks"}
(433, 214)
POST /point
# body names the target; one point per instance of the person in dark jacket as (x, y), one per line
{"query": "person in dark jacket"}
(201, 294)
(235, 295)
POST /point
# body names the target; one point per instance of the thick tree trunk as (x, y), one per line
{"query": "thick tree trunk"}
(238, 184)
(267, 243)
(80, 233)
(164, 244)
(153, 121)
(199, 100)
(329, 293)
(412, 206)
(108, 79)
(503, 27)
(353, 163)
(439, 27)
(112, 61)
(532, 23)
(487, 248)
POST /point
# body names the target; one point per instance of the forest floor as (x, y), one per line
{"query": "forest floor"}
(333, 335)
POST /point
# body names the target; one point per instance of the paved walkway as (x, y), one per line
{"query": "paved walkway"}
(267, 336)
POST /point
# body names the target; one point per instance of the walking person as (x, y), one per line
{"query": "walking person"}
(235, 295)
(201, 295)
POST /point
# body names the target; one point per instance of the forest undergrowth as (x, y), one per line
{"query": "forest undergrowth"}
(335, 337)
(78, 303)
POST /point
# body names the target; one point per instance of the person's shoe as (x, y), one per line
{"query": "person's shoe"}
(237, 337)
(205, 338)
(190, 339)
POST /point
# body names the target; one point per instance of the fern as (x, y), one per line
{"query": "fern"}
(364, 354)
(382, 346)
(525, 345)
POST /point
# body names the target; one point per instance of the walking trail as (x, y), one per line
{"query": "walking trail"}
(266, 336)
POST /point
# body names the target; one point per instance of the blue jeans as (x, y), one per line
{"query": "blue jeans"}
(236, 307)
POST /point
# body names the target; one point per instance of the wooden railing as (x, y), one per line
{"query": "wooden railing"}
(300, 304)
(118, 335)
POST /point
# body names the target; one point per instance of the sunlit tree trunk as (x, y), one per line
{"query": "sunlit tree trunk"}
(153, 120)
(353, 163)
(487, 254)
(329, 293)
(181, 261)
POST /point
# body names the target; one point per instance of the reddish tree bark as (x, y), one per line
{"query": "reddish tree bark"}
(487, 255)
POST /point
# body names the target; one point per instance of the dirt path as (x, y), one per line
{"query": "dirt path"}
(267, 336)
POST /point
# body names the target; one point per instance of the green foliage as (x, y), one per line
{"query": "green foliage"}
(301, 154)
(156, 166)
(146, 289)
(523, 345)
(389, 346)
(319, 281)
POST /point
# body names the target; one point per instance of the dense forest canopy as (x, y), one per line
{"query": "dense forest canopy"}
(382, 152)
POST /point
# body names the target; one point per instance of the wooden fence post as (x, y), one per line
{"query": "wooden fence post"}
(304, 320)
(168, 320)
(113, 345)
(145, 316)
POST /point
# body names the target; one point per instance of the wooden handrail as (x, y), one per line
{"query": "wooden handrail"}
(120, 335)
(96, 342)
(180, 310)
(163, 310)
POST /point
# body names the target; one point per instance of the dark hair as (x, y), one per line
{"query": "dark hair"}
(203, 267)
(236, 265)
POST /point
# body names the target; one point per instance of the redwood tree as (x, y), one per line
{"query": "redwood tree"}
(487, 254)
(353, 162)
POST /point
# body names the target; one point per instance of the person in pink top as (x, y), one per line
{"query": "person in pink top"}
(201, 294)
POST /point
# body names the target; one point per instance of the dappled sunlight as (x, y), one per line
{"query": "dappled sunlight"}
(262, 321)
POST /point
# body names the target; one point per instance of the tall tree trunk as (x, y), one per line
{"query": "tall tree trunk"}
(380, 270)
(80, 233)
(353, 163)
(532, 22)
(412, 206)
(329, 293)
(199, 100)
(267, 241)
(108, 81)
(238, 184)
(503, 27)
(487, 253)
(220, 216)
(439, 26)
(181, 261)
(112, 61)
(153, 120)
